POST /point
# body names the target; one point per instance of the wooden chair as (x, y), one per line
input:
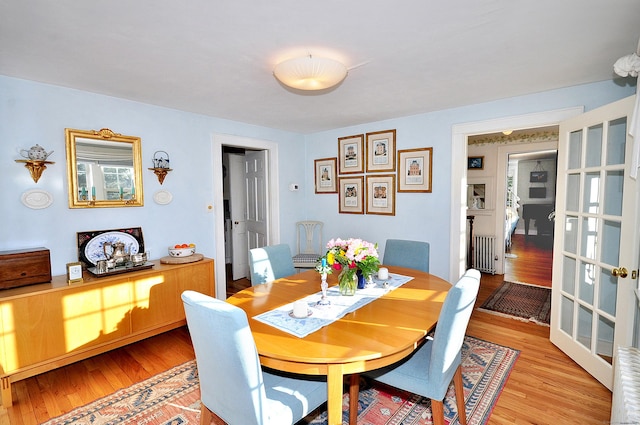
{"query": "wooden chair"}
(308, 244)
(233, 386)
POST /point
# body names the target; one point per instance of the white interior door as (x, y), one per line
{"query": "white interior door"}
(595, 250)
(238, 207)
(256, 189)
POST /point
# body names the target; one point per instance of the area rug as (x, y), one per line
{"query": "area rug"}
(520, 301)
(173, 397)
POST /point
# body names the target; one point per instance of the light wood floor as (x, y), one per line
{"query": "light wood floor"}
(545, 386)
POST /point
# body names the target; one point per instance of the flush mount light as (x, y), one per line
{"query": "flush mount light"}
(310, 73)
(507, 132)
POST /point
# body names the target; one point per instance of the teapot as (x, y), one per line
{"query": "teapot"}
(36, 153)
(117, 253)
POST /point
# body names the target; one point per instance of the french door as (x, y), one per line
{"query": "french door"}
(596, 254)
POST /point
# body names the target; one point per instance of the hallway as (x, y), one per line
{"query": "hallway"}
(532, 262)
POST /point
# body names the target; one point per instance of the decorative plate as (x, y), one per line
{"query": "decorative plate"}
(162, 197)
(94, 251)
(37, 199)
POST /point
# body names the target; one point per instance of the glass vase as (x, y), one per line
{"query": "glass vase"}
(347, 282)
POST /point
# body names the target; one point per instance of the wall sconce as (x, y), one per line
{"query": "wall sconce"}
(160, 165)
(36, 161)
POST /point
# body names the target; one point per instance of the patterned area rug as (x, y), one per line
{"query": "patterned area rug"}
(520, 301)
(172, 397)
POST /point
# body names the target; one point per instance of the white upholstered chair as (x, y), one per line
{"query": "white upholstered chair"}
(233, 385)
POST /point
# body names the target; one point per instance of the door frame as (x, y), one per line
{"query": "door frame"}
(273, 231)
(459, 134)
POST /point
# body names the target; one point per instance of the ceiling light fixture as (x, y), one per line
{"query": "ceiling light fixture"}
(507, 132)
(310, 73)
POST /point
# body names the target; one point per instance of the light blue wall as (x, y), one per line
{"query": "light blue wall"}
(33, 113)
(426, 216)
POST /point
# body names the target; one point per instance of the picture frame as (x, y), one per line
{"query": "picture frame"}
(537, 192)
(480, 196)
(415, 170)
(475, 163)
(351, 154)
(351, 195)
(74, 273)
(381, 196)
(538, 177)
(381, 151)
(325, 175)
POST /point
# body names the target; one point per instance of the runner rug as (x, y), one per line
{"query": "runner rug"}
(173, 397)
(520, 301)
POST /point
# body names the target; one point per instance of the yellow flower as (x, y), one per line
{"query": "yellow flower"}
(330, 258)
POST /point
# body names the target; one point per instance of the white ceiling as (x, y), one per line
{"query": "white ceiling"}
(406, 57)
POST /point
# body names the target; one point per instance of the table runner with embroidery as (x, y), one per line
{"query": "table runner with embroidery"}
(281, 317)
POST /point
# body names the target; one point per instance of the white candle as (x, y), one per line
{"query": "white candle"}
(383, 273)
(300, 308)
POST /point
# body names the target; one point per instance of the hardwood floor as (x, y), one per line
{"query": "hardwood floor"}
(545, 386)
(530, 260)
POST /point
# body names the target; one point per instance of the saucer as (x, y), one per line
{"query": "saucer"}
(309, 313)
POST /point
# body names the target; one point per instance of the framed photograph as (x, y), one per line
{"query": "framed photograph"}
(475, 163)
(325, 175)
(351, 195)
(74, 272)
(538, 177)
(351, 154)
(480, 196)
(537, 192)
(414, 170)
(381, 196)
(381, 151)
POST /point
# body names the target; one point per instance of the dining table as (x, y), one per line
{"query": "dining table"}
(377, 334)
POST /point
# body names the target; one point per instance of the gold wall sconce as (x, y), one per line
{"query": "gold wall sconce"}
(35, 161)
(160, 165)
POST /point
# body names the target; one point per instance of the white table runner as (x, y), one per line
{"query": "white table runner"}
(281, 317)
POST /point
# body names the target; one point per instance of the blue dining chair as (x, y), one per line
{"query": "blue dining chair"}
(430, 369)
(269, 263)
(233, 386)
(405, 253)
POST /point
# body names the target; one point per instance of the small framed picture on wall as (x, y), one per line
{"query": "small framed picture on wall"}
(351, 195)
(351, 154)
(381, 196)
(381, 151)
(475, 163)
(325, 175)
(414, 170)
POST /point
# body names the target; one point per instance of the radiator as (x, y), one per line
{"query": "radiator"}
(625, 406)
(484, 253)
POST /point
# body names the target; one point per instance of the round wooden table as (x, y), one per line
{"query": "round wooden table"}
(377, 334)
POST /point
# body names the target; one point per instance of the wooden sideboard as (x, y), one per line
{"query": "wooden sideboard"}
(49, 325)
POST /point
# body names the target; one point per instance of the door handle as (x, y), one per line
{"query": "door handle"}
(619, 272)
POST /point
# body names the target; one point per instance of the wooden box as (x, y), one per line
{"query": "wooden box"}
(24, 267)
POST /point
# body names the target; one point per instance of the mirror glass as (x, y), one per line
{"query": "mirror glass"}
(104, 169)
(476, 196)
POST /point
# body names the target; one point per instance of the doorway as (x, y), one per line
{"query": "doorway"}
(221, 205)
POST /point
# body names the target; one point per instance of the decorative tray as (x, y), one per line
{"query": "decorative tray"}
(90, 244)
(119, 270)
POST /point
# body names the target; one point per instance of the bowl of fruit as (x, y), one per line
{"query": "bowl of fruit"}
(182, 250)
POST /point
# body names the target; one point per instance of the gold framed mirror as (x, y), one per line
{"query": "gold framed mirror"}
(104, 169)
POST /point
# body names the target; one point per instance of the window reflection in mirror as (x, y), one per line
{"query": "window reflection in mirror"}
(104, 169)
(476, 196)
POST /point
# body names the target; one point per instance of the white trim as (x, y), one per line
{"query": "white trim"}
(273, 195)
(459, 134)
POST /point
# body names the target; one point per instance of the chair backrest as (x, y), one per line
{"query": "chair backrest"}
(231, 381)
(270, 263)
(309, 237)
(405, 253)
(451, 328)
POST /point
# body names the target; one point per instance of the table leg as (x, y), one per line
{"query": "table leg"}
(354, 392)
(335, 376)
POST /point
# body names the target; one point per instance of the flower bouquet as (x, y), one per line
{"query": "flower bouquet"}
(348, 257)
